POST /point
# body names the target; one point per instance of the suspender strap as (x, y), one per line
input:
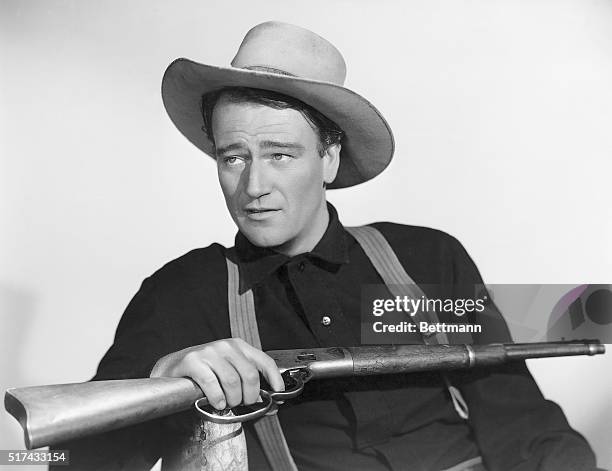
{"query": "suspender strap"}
(394, 275)
(243, 324)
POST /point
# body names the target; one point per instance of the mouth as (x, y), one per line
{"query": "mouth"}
(259, 213)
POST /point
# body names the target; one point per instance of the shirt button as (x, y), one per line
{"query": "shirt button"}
(301, 266)
(325, 320)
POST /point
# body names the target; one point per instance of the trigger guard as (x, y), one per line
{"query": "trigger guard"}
(223, 417)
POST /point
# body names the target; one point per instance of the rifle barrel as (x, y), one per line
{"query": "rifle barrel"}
(519, 351)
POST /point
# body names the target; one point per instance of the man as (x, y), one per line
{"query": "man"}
(283, 130)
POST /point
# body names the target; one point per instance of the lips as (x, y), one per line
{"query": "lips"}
(259, 213)
(261, 210)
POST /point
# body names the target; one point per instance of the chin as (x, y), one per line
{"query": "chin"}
(265, 238)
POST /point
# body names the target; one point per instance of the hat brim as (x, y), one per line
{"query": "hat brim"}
(367, 147)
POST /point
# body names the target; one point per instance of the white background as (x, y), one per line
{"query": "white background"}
(502, 112)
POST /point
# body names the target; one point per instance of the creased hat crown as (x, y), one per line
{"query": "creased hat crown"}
(277, 47)
(292, 61)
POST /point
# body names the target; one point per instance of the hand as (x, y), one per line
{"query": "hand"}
(226, 370)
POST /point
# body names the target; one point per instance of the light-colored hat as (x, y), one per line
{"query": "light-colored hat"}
(296, 62)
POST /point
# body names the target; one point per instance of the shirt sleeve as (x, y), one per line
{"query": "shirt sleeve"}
(139, 342)
(515, 427)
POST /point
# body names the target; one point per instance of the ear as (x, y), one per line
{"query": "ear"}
(331, 162)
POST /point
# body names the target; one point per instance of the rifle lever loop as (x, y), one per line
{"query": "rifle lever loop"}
(294, 385)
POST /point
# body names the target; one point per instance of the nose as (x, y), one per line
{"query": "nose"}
(257, 182)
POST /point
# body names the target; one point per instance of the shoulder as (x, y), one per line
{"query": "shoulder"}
(413, 238)
(195, 269)
(431, 254)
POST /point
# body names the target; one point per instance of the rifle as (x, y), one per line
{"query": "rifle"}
(58, 413)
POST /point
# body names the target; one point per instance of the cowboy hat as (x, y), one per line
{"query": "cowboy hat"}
(296, 62)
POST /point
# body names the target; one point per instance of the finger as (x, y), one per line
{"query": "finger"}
(206, 378)
(249, 376)
(229, 379)
(267, 366)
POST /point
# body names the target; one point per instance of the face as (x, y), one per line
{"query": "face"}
(272, 174)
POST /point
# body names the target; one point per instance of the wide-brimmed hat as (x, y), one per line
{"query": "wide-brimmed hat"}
(296, 62)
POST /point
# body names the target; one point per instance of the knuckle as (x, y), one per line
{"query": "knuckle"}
(251, 377)
(238, 343)
(207, 349)
(192, 357)
(209, 380)
(232, 380)
(225, 346)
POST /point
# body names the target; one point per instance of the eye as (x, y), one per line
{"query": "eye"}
(232, 160)
(279, 157)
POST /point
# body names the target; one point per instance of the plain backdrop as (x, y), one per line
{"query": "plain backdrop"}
(502, 113)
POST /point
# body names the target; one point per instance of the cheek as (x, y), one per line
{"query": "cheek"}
(305, 186)
(229, 184)
(312, 177)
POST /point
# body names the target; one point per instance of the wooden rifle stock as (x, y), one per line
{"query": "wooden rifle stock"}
(59, 413)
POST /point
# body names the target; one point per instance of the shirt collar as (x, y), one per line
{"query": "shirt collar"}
(257, 263)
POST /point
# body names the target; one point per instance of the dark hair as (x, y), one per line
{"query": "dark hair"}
(328, 131)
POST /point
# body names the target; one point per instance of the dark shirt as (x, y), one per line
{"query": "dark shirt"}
(396, 421)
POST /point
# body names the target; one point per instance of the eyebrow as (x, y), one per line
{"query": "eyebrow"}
(281, 145)
(263, 145)
(228, 148)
